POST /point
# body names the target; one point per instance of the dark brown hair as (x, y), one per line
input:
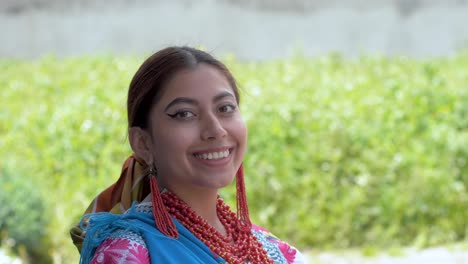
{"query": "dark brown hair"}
(148, 82)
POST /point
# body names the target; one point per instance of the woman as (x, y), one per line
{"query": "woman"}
(189, 140)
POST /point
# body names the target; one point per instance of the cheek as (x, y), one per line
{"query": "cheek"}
(172, 143)
(239, 130)
(243, 132)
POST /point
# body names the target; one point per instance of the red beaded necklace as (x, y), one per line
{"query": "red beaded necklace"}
(237, 247)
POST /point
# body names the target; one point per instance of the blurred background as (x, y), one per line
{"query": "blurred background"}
(252, 30)
(357, 114)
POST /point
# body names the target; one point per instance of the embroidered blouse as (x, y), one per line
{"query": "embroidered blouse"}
(130, 247)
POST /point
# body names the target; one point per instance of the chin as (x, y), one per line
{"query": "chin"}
(224, 183)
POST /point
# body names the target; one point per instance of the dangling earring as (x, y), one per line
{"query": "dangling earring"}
(241, 197)
(161, 216)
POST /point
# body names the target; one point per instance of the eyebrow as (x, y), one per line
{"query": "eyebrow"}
(186, 100)
(180, 100)
(222, 95)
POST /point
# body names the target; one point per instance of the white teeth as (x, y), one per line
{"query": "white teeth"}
(213, 155)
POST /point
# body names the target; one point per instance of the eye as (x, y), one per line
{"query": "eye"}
(228, 108)
(182, 114)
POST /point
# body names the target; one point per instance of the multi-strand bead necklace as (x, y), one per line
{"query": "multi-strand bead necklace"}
(238, 246)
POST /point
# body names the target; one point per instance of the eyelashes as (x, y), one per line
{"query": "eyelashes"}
(184, 114)
(228, 108)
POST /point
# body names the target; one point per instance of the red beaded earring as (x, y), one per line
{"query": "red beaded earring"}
(161, 216)
(241, 196)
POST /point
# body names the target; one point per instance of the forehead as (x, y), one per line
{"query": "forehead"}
(200, 81)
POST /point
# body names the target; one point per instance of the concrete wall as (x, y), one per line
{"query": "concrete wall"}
(251, 29)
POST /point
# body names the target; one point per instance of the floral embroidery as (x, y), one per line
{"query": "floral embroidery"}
(272, 243)
(121, 250)
(129, 247)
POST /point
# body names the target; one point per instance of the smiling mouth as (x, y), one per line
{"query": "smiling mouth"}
(215, 155)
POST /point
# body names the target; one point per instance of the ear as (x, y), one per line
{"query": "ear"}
(140, 141)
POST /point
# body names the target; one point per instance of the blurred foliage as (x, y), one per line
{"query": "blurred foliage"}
(21, 220)
(342, 152)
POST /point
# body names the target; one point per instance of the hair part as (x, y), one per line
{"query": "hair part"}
(147, 85)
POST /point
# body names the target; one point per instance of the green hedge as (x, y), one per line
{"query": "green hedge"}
(22, 220)
(342, 152)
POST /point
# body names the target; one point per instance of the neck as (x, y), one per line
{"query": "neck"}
(203, 202)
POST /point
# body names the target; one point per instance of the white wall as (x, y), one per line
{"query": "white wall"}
(249, 29)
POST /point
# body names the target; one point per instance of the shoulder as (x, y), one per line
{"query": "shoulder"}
(123, 246)
(279, 251)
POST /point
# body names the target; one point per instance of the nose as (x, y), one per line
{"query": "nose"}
(212, 128)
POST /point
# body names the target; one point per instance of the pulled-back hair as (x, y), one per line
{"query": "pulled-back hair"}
(148, 83)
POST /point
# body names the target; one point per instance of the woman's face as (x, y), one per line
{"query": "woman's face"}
(198, 135)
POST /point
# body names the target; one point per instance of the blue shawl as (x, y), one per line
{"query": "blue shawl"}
(162, 249)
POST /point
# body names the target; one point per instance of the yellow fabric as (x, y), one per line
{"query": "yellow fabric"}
(132, 185)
